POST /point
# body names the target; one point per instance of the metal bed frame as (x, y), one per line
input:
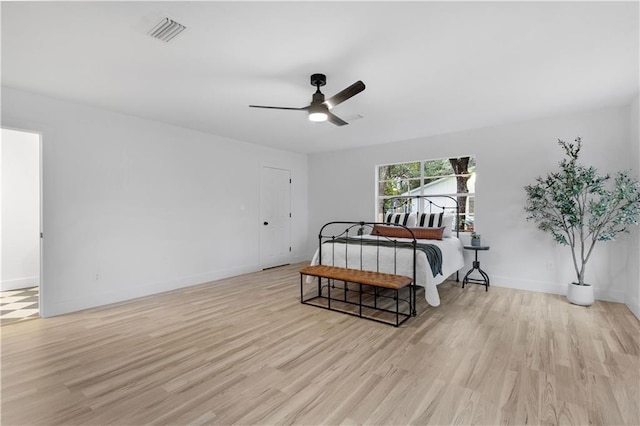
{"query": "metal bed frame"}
(359, 228)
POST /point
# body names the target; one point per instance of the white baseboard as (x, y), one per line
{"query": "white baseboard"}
(528, 285)
(634, 307)
(302, 258)
(101, 299)
(19, 283)
(609, 295)
(553, 288)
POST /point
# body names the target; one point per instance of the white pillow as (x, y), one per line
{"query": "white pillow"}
(448, 222)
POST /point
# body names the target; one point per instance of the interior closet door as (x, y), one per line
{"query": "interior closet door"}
(275, 216)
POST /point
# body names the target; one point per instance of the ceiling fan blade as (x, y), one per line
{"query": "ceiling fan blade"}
(274, 107)
(347, 93)
(335, 119)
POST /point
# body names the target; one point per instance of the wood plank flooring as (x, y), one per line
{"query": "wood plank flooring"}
(245, 351)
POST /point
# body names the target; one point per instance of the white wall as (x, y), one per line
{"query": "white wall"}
(632, 298)
(508, 158)
(133, 207)
(20, 228)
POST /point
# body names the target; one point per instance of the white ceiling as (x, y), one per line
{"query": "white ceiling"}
(429, 67)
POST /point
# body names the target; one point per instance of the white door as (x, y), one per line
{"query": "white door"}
(275, 217)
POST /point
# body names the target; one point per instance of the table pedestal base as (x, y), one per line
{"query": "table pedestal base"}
(485, 278)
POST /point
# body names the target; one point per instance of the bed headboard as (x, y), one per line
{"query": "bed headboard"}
(425, 204)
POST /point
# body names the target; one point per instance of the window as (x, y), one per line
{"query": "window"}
(453, 177)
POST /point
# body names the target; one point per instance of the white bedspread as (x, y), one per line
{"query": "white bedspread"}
(452, 261)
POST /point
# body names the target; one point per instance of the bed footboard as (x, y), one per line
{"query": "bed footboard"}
(367, 286)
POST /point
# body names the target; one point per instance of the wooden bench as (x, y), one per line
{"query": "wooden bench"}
(378, 280)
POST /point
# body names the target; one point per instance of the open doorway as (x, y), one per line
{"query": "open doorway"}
(20, 226)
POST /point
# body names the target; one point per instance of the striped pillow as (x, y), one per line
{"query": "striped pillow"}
(405, 219)
(430, 220)
(437, 220)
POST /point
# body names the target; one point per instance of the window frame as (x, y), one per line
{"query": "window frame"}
(470, 196)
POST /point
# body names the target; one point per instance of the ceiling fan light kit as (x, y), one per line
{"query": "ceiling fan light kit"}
(319, 108)
(318, 112)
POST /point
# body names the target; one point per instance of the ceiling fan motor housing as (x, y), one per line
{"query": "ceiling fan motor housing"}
(318, 80)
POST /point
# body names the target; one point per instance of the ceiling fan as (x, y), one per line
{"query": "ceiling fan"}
(319, 108)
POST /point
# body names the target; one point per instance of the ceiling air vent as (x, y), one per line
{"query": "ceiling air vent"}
(166, 30)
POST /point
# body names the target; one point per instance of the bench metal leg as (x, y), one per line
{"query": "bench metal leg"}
(375, 297)
(398, 308)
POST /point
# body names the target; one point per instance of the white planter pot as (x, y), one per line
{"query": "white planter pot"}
(580, 294)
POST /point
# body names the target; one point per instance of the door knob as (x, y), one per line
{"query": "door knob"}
(265, 223)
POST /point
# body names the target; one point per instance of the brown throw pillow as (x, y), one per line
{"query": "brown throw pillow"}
(399, 232)
(428, 233)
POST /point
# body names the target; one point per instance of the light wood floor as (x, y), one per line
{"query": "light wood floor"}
(245, 351)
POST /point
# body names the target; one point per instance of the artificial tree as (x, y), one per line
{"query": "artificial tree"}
(579, 207)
